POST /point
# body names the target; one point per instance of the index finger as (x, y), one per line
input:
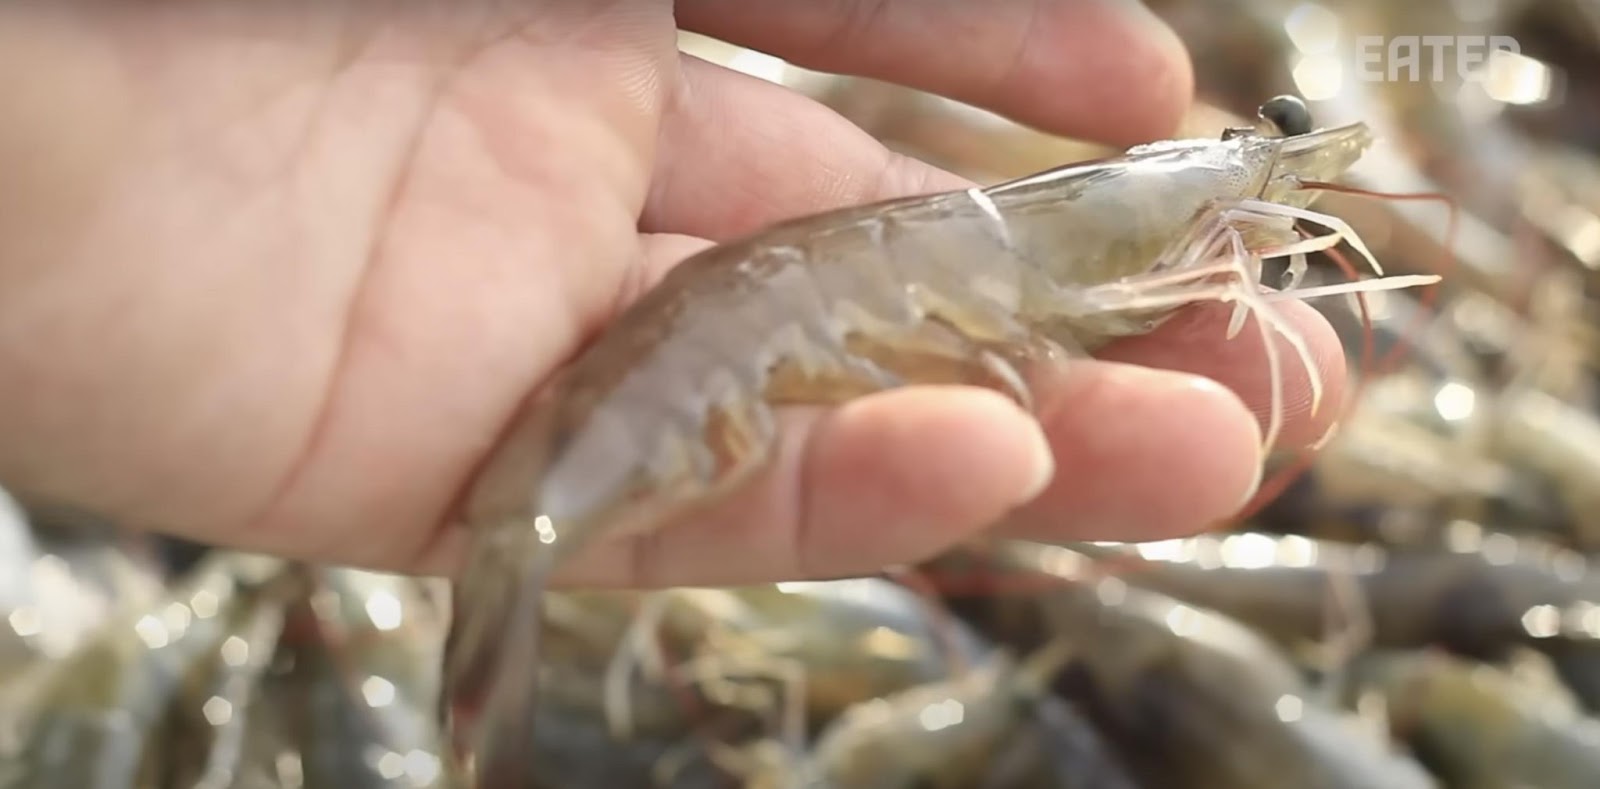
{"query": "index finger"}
(1103, 70)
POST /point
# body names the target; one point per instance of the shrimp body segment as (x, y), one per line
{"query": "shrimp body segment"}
(674, 405)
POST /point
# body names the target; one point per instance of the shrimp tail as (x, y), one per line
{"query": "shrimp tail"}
(491, 668)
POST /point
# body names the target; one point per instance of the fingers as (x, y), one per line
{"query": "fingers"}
(1106, 70)
(1194, 341)
(1131, 453)
(1140, 454)
(880, 480)
(738, 153)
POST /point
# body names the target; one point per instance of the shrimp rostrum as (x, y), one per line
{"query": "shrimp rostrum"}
(673, 405)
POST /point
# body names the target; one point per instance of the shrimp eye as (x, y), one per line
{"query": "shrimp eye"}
(1288, 113)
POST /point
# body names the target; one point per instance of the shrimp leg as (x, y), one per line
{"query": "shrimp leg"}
(1219, 235)
(944, 350)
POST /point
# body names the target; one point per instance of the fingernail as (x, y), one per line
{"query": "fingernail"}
(1170, 380)
(1041, 462)
(1208, 385)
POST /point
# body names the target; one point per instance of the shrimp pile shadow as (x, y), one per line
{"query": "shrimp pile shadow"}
(1411, 603)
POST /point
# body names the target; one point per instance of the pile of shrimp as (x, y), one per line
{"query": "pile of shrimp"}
(138, 662)
(1247, 659)
(1409, 604)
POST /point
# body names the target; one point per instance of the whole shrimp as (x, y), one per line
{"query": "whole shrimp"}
(857, 638)
(1192, 698)
(955, 733)
(1481, 727)
(674, 405)
(829, 643)
(1481, 595)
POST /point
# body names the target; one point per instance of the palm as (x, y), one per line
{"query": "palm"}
(285, 275)
(315, 276)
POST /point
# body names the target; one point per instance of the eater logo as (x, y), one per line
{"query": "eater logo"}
(1401, 58)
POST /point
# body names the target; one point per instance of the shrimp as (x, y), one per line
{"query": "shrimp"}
(1482, 595)
(575, 750)
(995, 726)
(1562, 443)
(55, 591)
(94, 717)
(360, 686)
(210, 729)
(610, 656)
(328, 690)
(937, 735)
(1059, 749)
(1390, 451)
(600, 723)
(858, 638)
(1256, 55)
(674, 405)
(832, 643)
(1192, 697)
(1479, 727)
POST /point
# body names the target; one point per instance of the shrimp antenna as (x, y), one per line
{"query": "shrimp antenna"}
(1445, 267)
(1367, 368)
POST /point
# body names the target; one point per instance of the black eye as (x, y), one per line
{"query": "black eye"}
(1288, 113)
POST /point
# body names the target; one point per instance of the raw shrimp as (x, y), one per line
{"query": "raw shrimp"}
(674, 405)
(832, 643)
(1560, 441)
(93, 718)
(360, 690)
(1194, 699)
(1394, 450)
(1478, 727)
(995, 726)
(209, 729)
(330, 689)
(575, 750)
(1483, 594)
(1255, 54)
(614, 656)
(943, 734)
(828, 646)
(55, 590)
(858, 638)
(1058, 749)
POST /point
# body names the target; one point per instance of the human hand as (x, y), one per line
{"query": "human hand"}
(275, 276)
